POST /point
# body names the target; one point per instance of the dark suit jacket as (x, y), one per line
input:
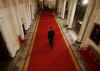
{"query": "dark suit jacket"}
(51, 34)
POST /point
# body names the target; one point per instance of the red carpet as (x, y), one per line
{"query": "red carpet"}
(44, 58)
(91, 58)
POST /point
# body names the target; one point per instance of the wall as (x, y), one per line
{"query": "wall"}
(14, 13)
(52, 4)
(95, 17)
(8, 32)
(61, 8)
(26, 11)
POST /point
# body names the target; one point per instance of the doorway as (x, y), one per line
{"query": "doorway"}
(79, 15)
(66, 10)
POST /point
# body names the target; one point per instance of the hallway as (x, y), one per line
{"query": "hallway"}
(44, 58)
(24, 26)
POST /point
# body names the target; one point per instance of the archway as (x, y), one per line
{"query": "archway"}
(66, 9)
(86, 20)
(79, 15)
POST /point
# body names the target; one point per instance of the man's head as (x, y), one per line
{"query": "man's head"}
(50, 27)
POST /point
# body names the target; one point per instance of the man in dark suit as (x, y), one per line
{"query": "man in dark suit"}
(51, 36)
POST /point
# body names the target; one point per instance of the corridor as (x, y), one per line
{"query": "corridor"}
(24, 41)
(44, 58)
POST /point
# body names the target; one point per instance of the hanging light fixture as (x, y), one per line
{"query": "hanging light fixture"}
(84, 2)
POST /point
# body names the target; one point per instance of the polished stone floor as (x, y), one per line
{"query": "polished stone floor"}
(71, 36)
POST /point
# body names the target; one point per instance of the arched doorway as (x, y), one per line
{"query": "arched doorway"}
(79, 15)
(66, 9)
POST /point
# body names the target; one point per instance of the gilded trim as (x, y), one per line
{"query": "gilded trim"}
(30, 50)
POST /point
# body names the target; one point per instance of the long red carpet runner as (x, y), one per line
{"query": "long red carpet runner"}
(44, 58)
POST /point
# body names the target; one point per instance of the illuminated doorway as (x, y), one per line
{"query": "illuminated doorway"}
(79, 15)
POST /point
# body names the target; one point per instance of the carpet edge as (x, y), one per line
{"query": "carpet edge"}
(70, 50)
(26, 63)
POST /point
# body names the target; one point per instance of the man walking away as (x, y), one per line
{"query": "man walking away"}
(51, 36)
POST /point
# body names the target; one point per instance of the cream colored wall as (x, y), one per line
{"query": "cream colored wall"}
(8, 32)
(25, 11)
(95, 18)
(86, 20)
(71, 12)
(13, 14)
(52, 3)
(61, 8)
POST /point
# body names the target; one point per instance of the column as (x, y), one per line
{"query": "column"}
(71, 12)
(63, 8)
(59, 8)
(18, 15)
(14, 18)
(86, 20)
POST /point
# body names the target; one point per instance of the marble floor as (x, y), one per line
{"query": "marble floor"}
(71, 36)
